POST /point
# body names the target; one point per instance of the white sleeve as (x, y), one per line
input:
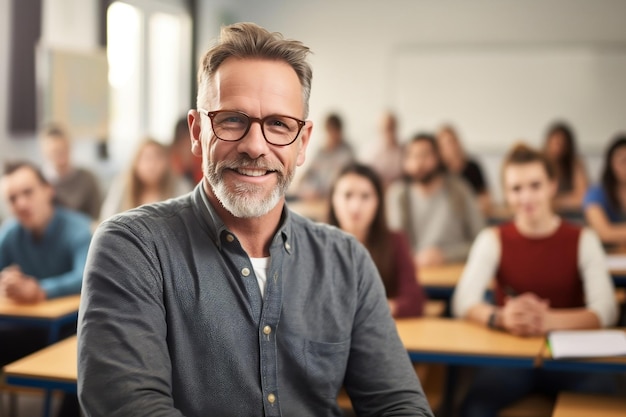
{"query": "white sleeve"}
(480, 269)
(597, 283)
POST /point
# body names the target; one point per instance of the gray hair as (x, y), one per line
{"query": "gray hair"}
(248, 40)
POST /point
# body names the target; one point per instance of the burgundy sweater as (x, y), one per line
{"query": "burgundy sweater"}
(410, 296)
(546, 266)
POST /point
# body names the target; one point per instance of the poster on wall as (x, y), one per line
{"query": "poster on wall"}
(73, 91)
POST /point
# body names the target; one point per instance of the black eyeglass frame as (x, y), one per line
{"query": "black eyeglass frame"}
(260, 121)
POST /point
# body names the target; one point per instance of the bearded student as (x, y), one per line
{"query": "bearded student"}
(437, 210)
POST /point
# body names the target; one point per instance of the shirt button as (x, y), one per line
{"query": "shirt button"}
(271, 398)
(287, 246)
(245, 272)
(267, 330)
(230, 237)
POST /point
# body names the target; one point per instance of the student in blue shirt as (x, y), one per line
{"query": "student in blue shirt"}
(43, 249)
(605, 203)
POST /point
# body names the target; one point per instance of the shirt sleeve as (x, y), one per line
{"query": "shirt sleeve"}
(122, 332)
(597, 282)
(594, 195)
(474, 174)
(70, 282)
(479, 271)
(410, 296)
(390, 388)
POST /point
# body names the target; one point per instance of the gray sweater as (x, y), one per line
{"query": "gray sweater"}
(448, 219)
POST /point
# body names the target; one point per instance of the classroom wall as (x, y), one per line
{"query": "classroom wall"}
(354, 41)
(67, 24)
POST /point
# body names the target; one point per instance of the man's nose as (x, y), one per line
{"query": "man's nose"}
(253, 144)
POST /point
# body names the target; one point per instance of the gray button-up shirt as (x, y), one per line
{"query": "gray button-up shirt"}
(172, 322)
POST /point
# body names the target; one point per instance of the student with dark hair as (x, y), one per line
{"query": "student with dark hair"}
(549, 275)
(43, 250)
(437, 210)
(357, 207)
(571, 176)
(605, 203)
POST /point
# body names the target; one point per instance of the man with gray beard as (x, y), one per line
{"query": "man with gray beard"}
(225, 303)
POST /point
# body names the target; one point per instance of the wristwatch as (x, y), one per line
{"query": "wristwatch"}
(492, 321)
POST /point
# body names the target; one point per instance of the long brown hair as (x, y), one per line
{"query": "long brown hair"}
(133, 185)
(566, 162)
(377, 239)
(608, 178)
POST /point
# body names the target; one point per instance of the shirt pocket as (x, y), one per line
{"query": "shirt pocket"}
(326, 366)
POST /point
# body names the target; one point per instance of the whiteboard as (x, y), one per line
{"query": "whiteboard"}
(498, 94)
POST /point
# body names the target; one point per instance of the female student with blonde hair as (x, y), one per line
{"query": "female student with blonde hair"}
(549, 275)
(149, 179)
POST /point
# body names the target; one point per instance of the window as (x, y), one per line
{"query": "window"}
(149, 54)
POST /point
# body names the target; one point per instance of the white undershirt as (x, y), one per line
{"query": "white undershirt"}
(484, 259)
(260, 266)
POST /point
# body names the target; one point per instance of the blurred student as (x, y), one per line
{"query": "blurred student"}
(386, 158)
(357, 207)
(437, 210)
(458, 162)
(43, 250)
(549, 275)
(184, 162)
(605, 203)
(335, 153)
(149, 179)
(75, 188)
(571, 176)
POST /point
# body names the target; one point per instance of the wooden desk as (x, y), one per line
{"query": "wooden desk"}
(439, 281)
(50, 313)
(316, 210)
(52, 368)
(570, 404)
(459, 342)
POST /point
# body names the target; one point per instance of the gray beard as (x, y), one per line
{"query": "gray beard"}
(243, 201)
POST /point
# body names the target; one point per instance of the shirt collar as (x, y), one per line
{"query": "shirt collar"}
(216, 227)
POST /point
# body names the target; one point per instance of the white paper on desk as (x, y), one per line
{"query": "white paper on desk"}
(616, 262)
(587, 343)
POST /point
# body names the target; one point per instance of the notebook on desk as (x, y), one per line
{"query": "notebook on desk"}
(587, 343)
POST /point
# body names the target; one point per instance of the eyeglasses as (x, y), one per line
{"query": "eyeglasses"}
(231, 126)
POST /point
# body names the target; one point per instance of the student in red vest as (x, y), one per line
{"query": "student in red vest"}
(549, 275)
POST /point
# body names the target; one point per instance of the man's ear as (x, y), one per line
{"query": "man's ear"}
(195, 132)
(305, 136)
